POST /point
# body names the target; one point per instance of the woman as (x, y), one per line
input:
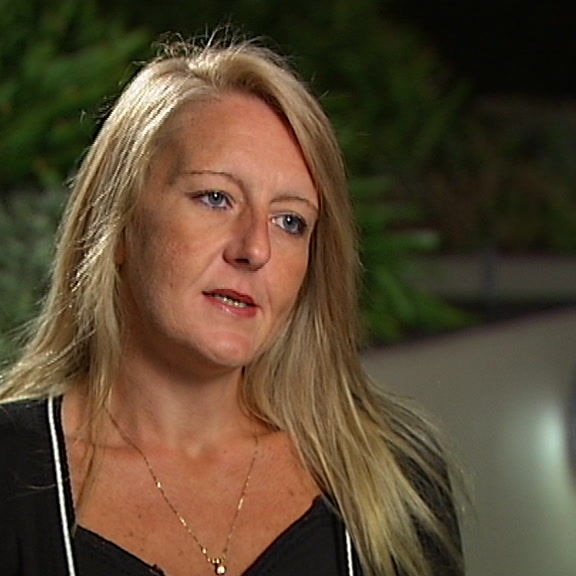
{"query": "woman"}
(192, 400)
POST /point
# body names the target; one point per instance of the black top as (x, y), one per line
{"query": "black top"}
(31, 543)
(36, 513)
(311, 545)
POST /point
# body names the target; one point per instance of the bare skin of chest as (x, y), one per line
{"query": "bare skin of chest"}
(125, 506)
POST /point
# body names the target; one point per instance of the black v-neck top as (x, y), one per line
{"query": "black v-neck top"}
(36, 513)
(30, 541)
(313, 544)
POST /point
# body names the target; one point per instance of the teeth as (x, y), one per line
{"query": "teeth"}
(230, 301)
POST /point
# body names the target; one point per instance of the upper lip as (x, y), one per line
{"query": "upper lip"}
(233, 294)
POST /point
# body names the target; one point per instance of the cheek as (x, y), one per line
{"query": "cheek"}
(150, 243)
(147, 254)
(290, 281)
(161, 266)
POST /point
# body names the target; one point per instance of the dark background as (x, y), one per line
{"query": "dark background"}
(507, 46)
(482, 168)
(519, 47)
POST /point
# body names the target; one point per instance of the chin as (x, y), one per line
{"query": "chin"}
(231, 354)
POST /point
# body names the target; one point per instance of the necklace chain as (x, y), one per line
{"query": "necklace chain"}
(219, 562)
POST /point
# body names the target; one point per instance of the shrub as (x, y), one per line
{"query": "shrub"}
(28, 222)
(389, 96)
(57, 62)
(393, 234)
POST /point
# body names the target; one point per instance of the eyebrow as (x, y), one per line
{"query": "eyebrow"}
(241, 185)
(297, 198)
(226, 175)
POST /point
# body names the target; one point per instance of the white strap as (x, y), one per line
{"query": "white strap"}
(62, 500)
(60, 489)
(349, 553)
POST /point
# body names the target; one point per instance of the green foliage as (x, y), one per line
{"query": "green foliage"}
(28, 222)
(535, 208)
(390, 96)
(57, 62)
(392, 235)
(511, 187)
(394, 106)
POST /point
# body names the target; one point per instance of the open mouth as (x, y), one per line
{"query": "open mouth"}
(232, 299)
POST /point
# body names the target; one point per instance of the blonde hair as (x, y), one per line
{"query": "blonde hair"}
(375, 459)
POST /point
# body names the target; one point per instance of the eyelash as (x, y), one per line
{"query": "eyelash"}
(284, 221)
(301, 224)
(206, 197)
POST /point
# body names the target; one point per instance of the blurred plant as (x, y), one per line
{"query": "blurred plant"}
(511, 187)
(391, 97)
(392, 235)
(28, 222)
(391, 238)
(396, 110)
(57, 62)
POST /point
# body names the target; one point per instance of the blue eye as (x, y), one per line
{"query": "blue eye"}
(292, 224)
(215, 199)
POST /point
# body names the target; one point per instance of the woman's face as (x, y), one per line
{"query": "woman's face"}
(218, 249)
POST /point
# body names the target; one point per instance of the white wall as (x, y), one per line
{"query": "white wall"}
(502, 392)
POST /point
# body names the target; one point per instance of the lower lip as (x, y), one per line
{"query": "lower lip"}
(243, 312)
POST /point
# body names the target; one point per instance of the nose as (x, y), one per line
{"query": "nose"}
(249, 245)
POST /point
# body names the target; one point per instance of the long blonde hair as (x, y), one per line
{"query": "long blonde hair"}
(373, 457)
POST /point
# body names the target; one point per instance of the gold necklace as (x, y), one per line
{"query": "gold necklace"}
(219, 563)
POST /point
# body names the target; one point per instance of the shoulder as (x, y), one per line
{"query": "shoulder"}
(427, 465)
(28, 500)
(429, 469)
(21, 419)
(24, 438)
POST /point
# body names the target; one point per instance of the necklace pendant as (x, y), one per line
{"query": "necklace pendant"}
(218, 563)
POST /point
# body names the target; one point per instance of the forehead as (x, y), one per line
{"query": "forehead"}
(229, 112)
(232, 131)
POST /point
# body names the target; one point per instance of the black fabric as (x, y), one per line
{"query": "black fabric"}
(31, 543)
(314, 544)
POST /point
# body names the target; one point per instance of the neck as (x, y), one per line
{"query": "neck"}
(194, 414)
